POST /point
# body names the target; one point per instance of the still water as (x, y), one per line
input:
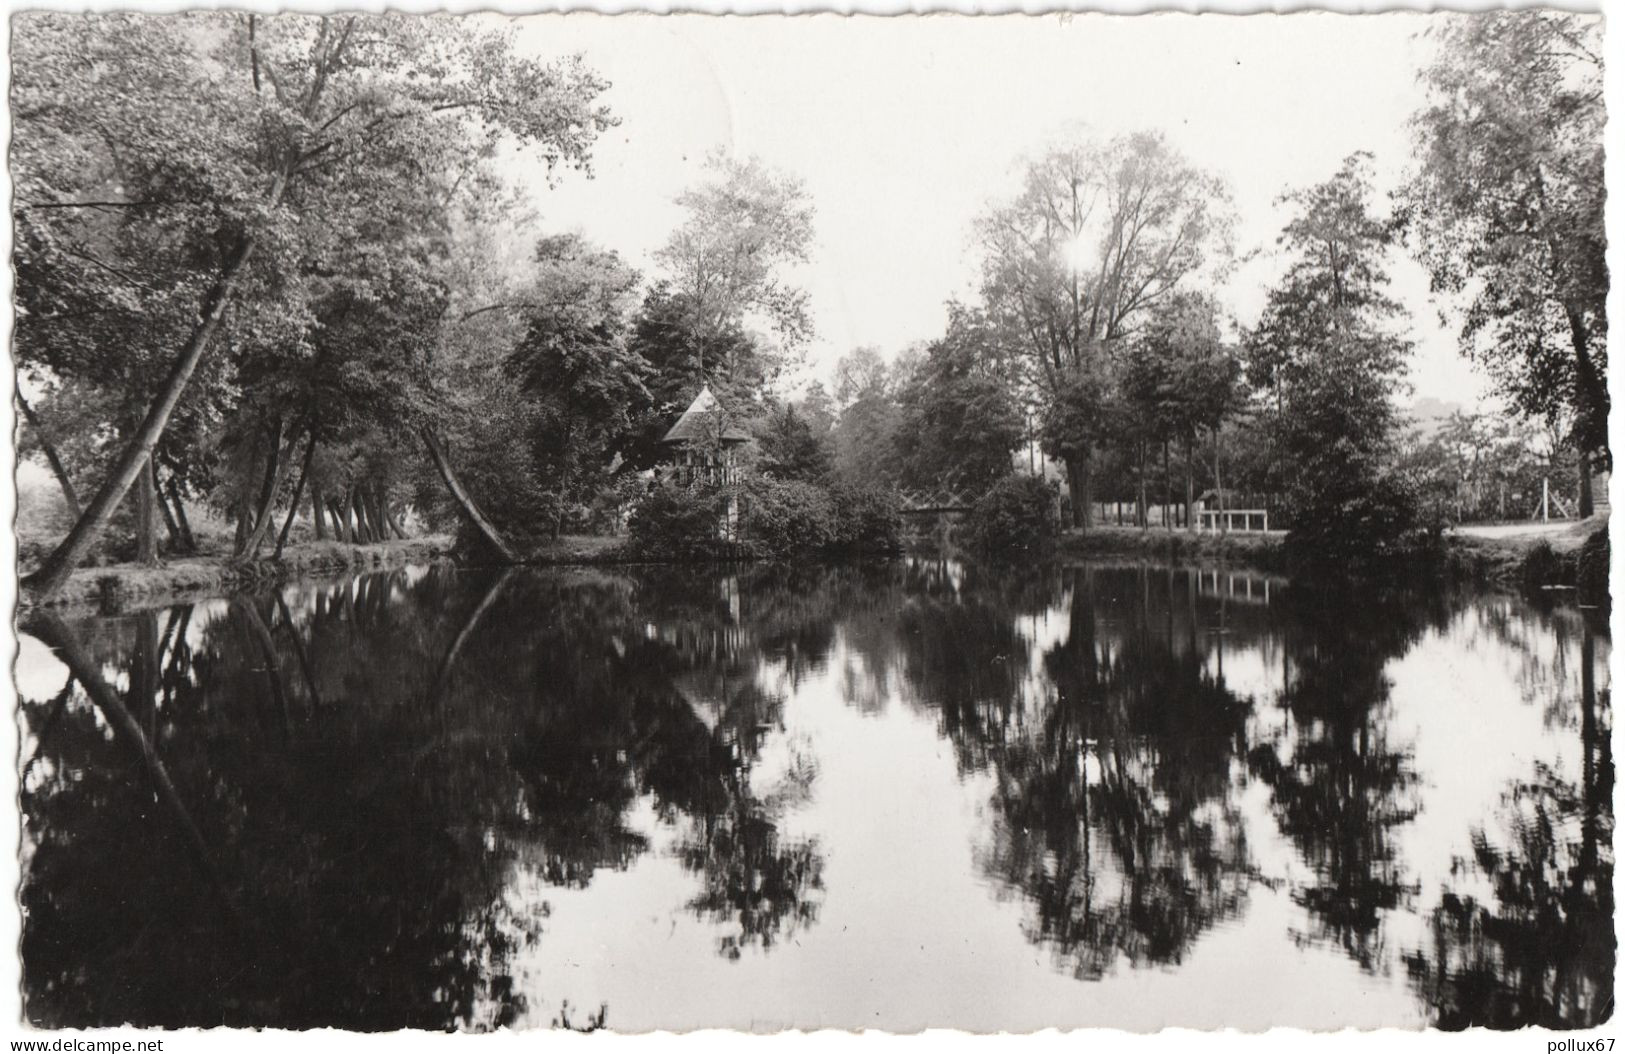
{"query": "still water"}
(892, 795)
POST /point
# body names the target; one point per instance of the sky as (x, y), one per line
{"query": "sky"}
(904, 129)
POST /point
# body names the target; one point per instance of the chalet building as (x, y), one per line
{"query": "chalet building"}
(704, 445)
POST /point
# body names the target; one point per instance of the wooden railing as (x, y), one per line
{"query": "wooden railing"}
(1208, 519)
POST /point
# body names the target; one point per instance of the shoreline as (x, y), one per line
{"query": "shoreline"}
(118, 588)
(1542, 561)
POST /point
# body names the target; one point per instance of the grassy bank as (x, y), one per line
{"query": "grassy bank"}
(1575, 557)
(118, 587)
(1259, 550)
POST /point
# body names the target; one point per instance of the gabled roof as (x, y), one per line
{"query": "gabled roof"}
(702, 420)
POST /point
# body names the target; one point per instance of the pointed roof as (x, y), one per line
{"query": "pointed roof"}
(702, 420)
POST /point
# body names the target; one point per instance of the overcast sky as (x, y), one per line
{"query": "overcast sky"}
(904, 128)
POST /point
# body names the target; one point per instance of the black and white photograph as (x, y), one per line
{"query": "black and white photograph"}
(667, 522)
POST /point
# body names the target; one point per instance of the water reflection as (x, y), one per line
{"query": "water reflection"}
(410, 799)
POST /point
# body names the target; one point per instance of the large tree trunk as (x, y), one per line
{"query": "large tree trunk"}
(1218, 481)
(298, 492)
(393, 519)
(177, 543)
(50, 575)
(58, 469)
(146, 519)
(318, 510)
(1077, 485)
(276, 474)
(181, 521)
(1591, 388)
(1587, 499)
(363, 515)
(340, 508)
(465, 501)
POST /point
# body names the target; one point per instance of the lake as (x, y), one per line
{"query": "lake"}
(886, 795)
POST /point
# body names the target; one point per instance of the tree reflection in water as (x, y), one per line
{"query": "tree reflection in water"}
(1539, 949)
(359, 776)
(1112, 765)
(366, 773)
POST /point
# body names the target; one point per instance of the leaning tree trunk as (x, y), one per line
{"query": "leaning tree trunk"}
(181, 521)
(146, 517)
(465, 501)
(363, 528)
(53, 573)
(276, 474)
(58, 469)
(393, 519)
(298, 492)
(332, 512)
(176, 542)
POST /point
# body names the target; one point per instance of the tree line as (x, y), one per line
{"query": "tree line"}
(272, 264)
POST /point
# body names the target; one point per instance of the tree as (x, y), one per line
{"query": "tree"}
(1180, 378)
(1099, 233)
(790, 449)
(866, 430)
(1506, 209)
(226, 152)
(746, 225)
(1325, 346)
(959, 416)
(583, 383)
(680, 360)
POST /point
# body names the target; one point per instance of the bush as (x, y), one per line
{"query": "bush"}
(1592, 570)
(867, 519)
(782, 517)
(1542, 567)
(1351, 522)
(1019, 512)
(680, 521)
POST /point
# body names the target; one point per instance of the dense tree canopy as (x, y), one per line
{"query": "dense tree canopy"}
(1506, 208)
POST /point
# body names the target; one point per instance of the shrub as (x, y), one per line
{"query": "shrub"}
(1352, 521)
(1542, 566)
(867, 519)
(782, 517)
(1019, 512)
(1593, 569)
(680, 521)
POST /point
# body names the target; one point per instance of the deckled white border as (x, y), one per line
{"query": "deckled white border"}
(1168, 1041)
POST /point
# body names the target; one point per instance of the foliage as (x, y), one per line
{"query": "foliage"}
(790, 449)
(1506, 208)
(865, 436)
(678, 360)
(225, 179)
(680, 522)
(1019, 512)
(782, 518)
(1324, 345)
(1100, 233)
(583, 386)
(746, 225)
(867, 519)
(959, 416)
